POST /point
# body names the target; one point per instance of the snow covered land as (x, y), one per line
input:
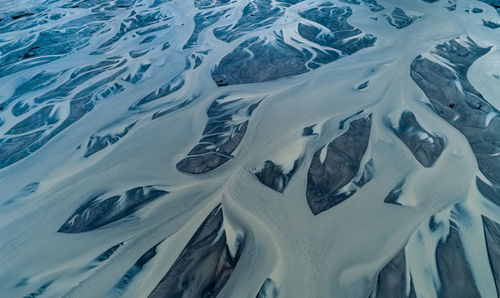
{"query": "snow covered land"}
(250, 148)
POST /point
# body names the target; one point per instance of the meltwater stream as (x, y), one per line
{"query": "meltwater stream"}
(250, 148)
